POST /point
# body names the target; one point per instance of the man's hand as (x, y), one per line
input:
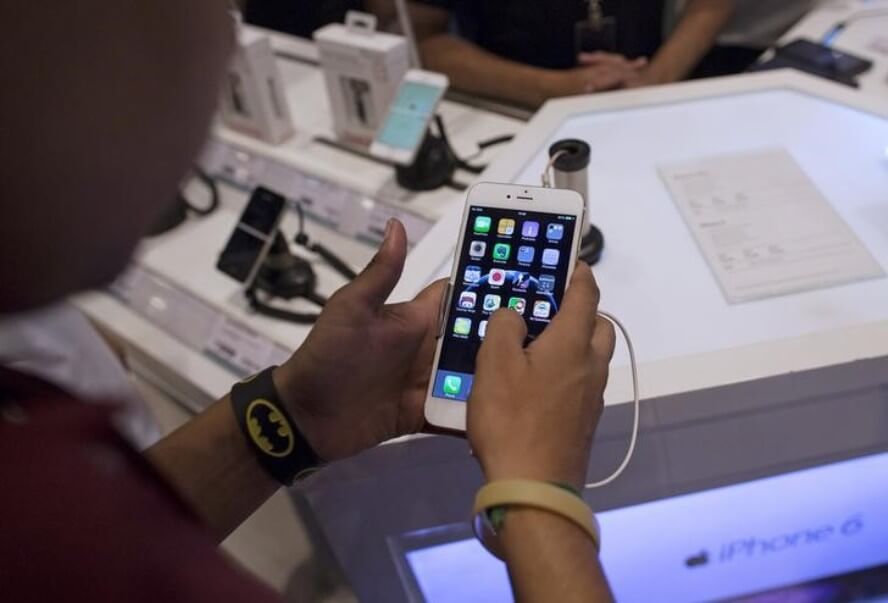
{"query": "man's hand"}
(360, 378)
(532, 414)
(533, 411)
(597, 72)
(616, 62)
(632, 72)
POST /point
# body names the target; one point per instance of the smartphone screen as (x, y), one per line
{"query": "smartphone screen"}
(509, 259)
(252, 236)
(406, 124)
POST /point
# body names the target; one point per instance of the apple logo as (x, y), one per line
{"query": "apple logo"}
(698, 560)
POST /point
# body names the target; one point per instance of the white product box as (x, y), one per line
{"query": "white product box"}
(363, 69)
(253, 101)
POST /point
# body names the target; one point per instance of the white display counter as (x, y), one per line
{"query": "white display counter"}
(653, 275)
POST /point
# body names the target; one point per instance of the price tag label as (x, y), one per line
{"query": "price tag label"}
(380, 214)
(244, 351)
(343, 209)
(280, 177)
(242, 167)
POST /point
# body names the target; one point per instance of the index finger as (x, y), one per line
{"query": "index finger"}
(574, 324)
(506, 333)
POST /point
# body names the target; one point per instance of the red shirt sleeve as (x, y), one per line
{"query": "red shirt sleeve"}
(84, 517)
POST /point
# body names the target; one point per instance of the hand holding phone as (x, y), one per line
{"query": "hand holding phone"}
(360, 376)
(533, 411)
(517, 250)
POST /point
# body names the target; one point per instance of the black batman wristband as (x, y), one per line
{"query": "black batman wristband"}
(270, 432)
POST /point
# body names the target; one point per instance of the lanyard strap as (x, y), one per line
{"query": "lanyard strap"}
(596, 13)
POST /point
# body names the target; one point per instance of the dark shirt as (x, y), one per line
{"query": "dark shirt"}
(542, 32)
(83, 517)
(298, 17)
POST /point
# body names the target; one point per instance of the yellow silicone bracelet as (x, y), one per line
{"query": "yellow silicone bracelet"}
(529, 493)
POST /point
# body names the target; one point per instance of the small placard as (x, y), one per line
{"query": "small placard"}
(764, 228)
(341, 208)
(242, 349)
(195, 323)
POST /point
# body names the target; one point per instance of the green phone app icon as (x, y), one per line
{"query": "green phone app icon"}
(482, 224)
(452, 385)
(502, 251)
(462, 326)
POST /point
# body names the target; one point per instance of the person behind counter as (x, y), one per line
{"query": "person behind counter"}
(525, 51)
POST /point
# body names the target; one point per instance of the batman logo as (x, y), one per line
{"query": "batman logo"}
(269, 429)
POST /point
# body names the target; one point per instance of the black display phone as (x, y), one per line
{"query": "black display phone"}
(824, 58)
(252, 236)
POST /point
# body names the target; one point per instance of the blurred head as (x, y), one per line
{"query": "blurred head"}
(104, 107)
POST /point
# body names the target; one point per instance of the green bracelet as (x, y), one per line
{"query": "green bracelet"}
(497, 515)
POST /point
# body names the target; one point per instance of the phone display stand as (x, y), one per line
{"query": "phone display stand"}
(570, 166)
(284, 275)
(435, 162)
(592, 245)
(433, 167)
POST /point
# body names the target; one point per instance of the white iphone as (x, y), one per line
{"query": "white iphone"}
(517, 249)
(405, 126)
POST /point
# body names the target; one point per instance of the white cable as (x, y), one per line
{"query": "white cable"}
(547, 183)
(636, 401)
(546, 178)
